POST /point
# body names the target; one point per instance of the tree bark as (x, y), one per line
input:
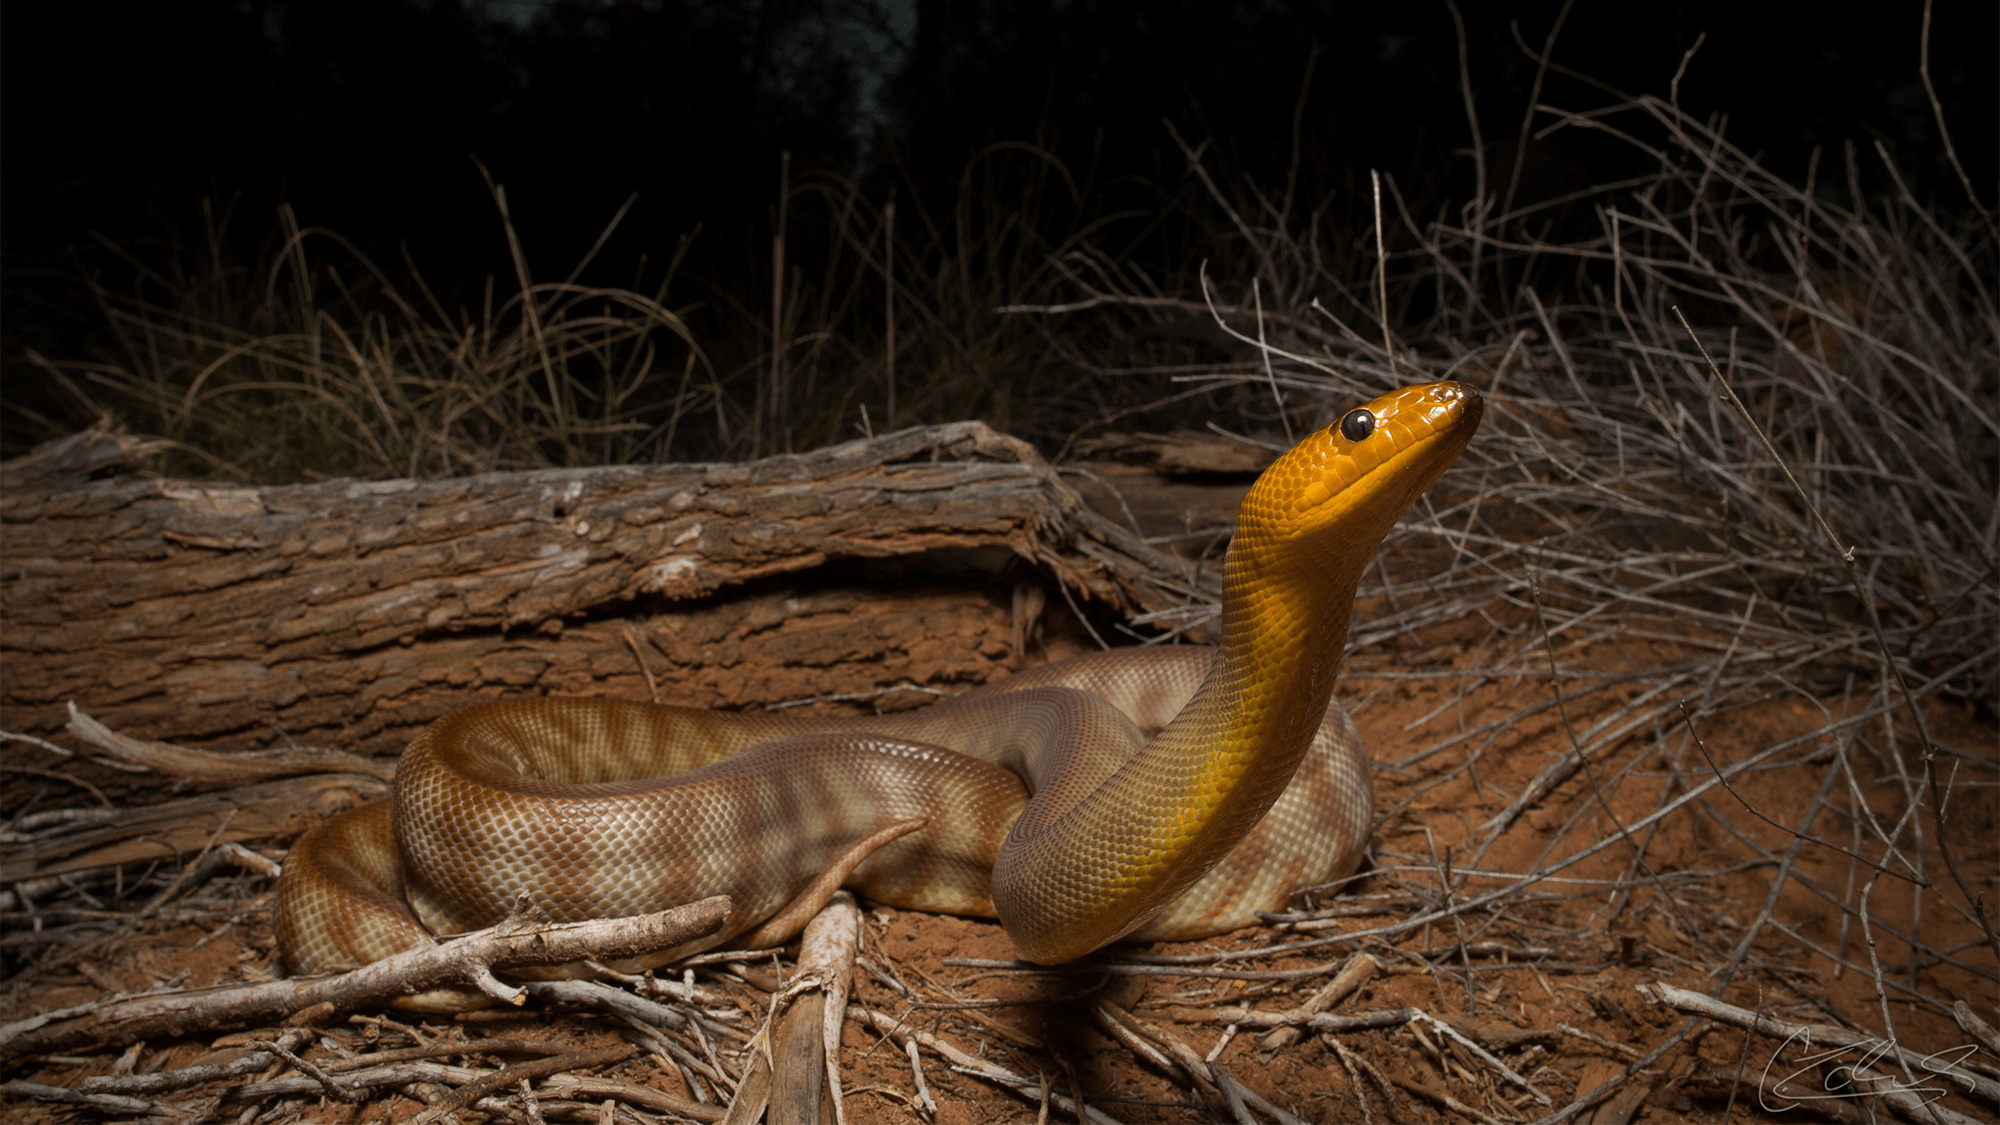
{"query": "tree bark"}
(357, 611)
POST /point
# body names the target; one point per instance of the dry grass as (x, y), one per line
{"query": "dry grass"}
(320, 365)
(320, 362)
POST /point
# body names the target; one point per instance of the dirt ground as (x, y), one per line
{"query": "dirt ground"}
(1648, 871)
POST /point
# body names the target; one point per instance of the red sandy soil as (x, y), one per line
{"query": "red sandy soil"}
(1579, 944)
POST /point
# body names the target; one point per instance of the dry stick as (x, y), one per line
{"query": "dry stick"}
(1257, 1019)
(1778, 881)
(105, 805)
(209, 765)
(507, 1075)
(1440, 870)
(1483, 1055)
(1528, 117)
(1253, 1098)
(1332, 1025)
(1918, 879)
(1632, 883)
(437, 1050)
(186, 873)
(1210, 1080)
(529, 311)
(603, 237)
(1625, 1106)
(924, 1098)
(524, 1091)
(1099, 481)
(1357, 970)
(107, 1104)
(1875, 961)
(777, 394)
(1590, 774)
(1132, 1040)
(368, 1078)
(1812, 1035)
(1148, 1040)
(1500, 726)
(753, 1094)
(1594, 741)
(168, 1081)
(1611, 1085)
(1201, 172)
(1264, 349)
(691, 1067)
(1352, 1065)
(889, 313)
(1970, 1023)
(1937, 109)
(1846, 554)
(591, 1086)
(1773, 1095)
(652, 687)
(1382, 276)
(1866, 815)
(1077, 612)
(332, 1088)
(1842, 904)
(970, 1064)
(806, 1054)
(618, 1002)
(1611, 1045)
(1856, 809)
(59, 751)
(1444, 1099)
(1298, 118)
(1478, 165)
(1232, 1095)
(465, 961)
(680, 1058)
(1629, 883)
(1215, 314)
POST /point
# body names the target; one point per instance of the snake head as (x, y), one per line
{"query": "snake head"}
(1343, 487)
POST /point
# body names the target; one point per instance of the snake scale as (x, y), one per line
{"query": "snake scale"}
(1155, 793)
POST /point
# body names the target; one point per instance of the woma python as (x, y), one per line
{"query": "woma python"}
(1153, 793)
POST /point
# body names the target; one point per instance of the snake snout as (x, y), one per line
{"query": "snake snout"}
(1454, 398)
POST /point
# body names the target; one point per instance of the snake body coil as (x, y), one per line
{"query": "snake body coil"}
(1175, 791)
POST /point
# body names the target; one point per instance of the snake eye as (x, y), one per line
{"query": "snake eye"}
(1357, 424)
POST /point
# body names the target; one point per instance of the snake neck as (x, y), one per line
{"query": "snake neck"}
(1188, 797)
(1283, 636)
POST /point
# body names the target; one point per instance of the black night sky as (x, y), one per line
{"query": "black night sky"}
(367, 115)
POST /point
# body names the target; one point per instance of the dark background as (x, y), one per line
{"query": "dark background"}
(365, 115)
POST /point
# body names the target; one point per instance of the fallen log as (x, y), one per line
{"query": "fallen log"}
(354, 612)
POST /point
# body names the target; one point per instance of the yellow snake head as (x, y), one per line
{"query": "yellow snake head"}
(1333, 497)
